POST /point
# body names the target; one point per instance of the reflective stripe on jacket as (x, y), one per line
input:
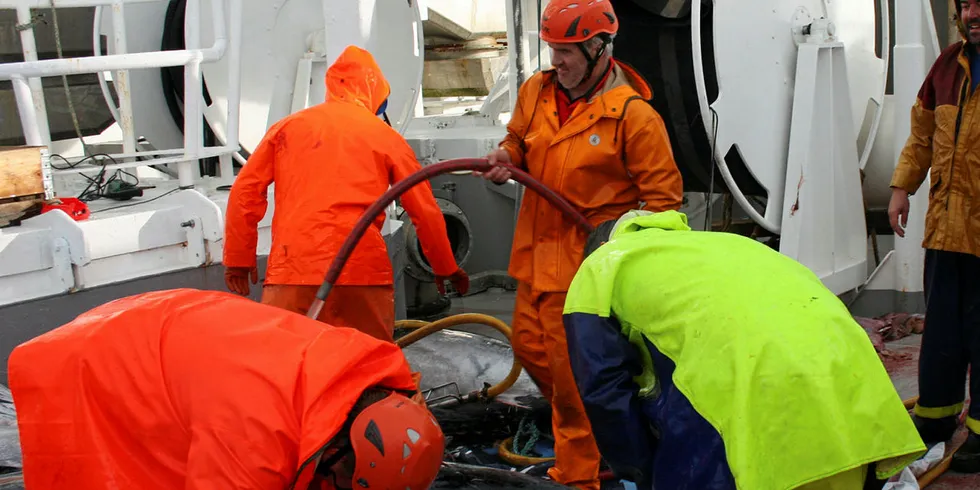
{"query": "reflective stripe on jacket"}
(752, 372)
(189, 389)
(612, 153)
(945, 137)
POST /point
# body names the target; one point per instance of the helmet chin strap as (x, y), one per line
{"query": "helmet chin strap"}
(591, 63)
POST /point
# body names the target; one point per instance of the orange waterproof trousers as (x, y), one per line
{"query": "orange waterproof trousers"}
(370, 309)
(539, 343)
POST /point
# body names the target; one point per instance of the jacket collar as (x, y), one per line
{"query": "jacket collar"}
(622, 84)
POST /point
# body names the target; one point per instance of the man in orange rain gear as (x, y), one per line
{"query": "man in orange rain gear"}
(584, 130)
(206, 390)
(330, 162)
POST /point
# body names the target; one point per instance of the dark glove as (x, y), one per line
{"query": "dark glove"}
(237, 279)
(460, 281)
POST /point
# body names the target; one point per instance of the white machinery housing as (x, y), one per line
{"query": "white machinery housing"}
(781, 104)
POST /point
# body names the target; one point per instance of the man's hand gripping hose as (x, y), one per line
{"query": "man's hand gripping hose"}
(424, 329)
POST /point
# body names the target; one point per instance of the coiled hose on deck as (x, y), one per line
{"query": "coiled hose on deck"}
(424, 329)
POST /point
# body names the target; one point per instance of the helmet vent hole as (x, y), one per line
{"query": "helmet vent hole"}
(406, 451)
(413, 435)
(373, 434)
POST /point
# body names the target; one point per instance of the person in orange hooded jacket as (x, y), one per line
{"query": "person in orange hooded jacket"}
(330, 162)
(585, 130)
(207, 390)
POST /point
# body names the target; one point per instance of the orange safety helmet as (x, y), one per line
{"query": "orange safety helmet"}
(575, 21)
(398, 445)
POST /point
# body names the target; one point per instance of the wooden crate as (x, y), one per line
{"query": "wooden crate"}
(25, 174)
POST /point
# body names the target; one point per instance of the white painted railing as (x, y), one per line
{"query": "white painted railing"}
(25, 77)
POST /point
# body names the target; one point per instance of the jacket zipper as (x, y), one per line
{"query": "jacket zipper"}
(956, 132)
(306, 463)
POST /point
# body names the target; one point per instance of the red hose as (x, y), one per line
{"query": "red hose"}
(427, 172)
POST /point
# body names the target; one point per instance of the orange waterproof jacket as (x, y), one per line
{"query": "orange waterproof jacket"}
(945, 137)
(330, 162)
(611, 153)
(189, 389)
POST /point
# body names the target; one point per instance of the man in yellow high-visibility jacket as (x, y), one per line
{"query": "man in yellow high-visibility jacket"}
(710, 361)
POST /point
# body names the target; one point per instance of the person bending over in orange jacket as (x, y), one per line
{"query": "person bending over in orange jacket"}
(205, 390)
(585, 130)
(330, 162)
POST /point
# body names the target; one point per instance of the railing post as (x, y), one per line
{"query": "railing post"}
(28, 116)
(121, 81)
(193, 137)
(29, 47)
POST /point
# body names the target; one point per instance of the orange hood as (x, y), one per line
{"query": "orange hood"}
(189, 389)
(356, 77)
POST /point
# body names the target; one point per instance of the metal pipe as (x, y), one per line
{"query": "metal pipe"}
(518, 18)
(208, 153)
(517, 76)
(172, 151)
(113, 62)
(97, 51)
(43, 4)
(218, 24)
(121, 80)
(28, 117)
(29, 48)
(234, 75)
(193, 137)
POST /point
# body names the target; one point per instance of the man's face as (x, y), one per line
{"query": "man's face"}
(970, 15)
(569, 63)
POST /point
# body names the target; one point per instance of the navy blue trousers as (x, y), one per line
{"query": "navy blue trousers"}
(951, 341)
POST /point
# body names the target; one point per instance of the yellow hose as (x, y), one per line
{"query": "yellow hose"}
(514, 459)
(910, 403)
(423, 329)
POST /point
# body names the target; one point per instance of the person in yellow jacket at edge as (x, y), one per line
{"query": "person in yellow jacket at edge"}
(943, 146)
(586, 130)
(710, 361)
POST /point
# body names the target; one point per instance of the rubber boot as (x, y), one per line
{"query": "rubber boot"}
(967, 458)
(935, 430)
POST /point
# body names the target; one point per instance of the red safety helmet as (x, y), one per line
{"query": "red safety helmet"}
(398, 445)
(575, 21)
